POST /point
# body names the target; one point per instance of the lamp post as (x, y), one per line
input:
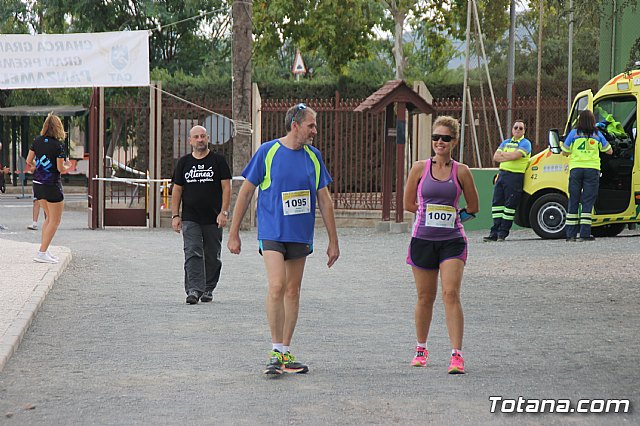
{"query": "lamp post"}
(570, 61)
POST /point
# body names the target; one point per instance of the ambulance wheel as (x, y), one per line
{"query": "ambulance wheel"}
(548, 215)
(610, 230)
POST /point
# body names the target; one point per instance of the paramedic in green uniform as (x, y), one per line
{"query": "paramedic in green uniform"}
(583, 146)
(513, 155)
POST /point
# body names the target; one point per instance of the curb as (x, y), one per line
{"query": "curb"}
(11, 340)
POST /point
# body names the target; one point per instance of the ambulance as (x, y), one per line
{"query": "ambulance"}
(543, 206)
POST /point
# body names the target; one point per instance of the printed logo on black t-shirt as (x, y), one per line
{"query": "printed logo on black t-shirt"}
(44, 164)
(199, 174)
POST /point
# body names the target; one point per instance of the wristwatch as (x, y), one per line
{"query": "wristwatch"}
(224, 212)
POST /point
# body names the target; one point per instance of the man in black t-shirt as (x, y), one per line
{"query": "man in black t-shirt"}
(202, 185)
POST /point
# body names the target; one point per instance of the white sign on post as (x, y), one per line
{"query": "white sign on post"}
(111, 59)
(298, 65)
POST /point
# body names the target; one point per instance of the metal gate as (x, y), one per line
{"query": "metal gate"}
(119, 167)
(138, 138)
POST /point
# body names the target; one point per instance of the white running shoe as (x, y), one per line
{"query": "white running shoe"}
(33, 227)
(44, 258)
(56, 258)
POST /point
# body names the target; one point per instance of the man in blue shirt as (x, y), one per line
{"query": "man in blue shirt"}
(291, 178)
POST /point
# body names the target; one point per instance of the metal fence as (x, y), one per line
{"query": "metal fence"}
(554, 115)
(179, 117)
(127, 140)
(351, 142)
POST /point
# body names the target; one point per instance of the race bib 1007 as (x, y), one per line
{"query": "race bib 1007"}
(440, 216)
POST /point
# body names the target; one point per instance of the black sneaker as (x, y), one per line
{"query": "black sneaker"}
(571, 239)
(192, 297)
(490, 238)
(275, 363)
(207, 296)
(590, 238)
(290, 365)
(500, 239)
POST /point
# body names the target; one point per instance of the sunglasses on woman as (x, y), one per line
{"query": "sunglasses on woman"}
(444, 138)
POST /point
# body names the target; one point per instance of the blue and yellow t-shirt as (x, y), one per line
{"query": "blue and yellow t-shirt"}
(522, 145)
(288, 181)
(585, 150)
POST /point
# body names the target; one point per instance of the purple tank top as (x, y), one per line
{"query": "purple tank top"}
(437, 216)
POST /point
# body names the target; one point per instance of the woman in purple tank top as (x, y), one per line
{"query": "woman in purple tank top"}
(438, 243)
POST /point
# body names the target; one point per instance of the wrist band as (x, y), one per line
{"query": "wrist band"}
(470, 214)
(174, 216)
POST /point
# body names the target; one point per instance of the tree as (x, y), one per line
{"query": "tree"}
(14, 17)
(587, 15)
(399, 10)
(185, 34)
(634, 55)
(431, 24)
(337, 30)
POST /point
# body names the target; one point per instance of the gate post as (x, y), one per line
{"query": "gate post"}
(401, 127)
(337, 149)
(256, 140)
(95, 191)
(155, 154)
(387, 158)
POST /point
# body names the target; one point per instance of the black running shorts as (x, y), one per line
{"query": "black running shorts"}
(289, 250)
(50, 193)
(427, 254)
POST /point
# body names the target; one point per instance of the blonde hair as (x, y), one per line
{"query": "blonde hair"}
(53, 127)
(450, 123)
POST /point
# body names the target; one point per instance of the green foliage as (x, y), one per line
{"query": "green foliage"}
(68, 96)
(339, 39)
(430, 25)
(555, 36)
(13, 17)
(194, 87)
(176, 42)
(347, 88)
(634, 55)
(374, 69)
(369, 72)
(338, 29)
(428, 52)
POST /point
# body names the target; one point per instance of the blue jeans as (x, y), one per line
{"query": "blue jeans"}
(202, 265)
(583, 189)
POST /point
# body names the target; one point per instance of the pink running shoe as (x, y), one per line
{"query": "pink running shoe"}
(421, 358)
(456, 366)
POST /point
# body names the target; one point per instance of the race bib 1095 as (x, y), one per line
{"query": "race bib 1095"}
(296, 202)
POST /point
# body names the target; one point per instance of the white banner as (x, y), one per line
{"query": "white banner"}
(113, 59)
